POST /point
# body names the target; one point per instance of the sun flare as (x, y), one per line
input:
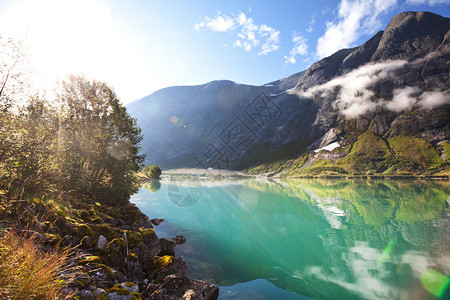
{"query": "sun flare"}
(71, 36)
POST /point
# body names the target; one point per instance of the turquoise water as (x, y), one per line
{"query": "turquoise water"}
(310, 239)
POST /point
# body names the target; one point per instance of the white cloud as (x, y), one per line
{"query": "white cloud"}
(429, 2)
(354, 97)
(300, 48)
(272, 39)
(311, 23)
(250, 35)
(433, 99)
(403, 99)
(355, 18)
(220, 22)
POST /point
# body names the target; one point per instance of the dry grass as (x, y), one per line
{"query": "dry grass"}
(29, 272)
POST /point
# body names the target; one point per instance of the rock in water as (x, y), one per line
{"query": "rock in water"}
(156, 222)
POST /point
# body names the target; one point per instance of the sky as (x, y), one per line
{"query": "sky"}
(140, 46)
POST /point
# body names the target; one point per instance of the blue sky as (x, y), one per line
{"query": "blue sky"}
(139, 46)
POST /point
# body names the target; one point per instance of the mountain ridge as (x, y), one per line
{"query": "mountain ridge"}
(394, 84)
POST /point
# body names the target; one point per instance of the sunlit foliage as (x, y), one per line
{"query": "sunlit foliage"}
(82, 141)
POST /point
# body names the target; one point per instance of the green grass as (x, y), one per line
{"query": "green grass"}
(370, 153)
(417, 151)
(324, 163)
(323, 171)
(446, 150)
(273, 167)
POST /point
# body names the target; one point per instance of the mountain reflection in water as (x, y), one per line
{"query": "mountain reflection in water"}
(310, 238)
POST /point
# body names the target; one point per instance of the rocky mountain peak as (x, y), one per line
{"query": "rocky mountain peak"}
(411, 35)
(405, 70)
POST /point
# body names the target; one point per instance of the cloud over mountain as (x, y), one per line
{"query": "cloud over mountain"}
(355, 96)
(385, 86)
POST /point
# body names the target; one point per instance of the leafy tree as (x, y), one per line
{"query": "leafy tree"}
(153, 171)
(84, 142)
(31, 158)
(26, 125)
(98, 142)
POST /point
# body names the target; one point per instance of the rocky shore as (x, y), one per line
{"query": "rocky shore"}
(116, 253)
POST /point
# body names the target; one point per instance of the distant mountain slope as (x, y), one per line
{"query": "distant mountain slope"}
(396, 84)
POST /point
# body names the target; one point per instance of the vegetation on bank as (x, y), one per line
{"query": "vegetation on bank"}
(27, 271)
(85, 142)
(368, 155)
(68, 166)
(149, 173)
(63, 159)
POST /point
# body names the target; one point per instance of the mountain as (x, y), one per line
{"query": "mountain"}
(382, 108)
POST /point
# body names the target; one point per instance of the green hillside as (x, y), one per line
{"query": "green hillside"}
(368, 155)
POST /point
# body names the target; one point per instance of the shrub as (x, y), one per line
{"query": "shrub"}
(28, 272)
(153, 171)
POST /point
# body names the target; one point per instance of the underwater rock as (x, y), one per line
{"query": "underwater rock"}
(179, 240)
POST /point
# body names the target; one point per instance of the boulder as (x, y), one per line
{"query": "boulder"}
(166, 265)
(116, 252)
(102, 242)
(156, 222)
(181, 287)
(167, 247)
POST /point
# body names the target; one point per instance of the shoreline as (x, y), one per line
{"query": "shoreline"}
(230, 174)
(114, 250)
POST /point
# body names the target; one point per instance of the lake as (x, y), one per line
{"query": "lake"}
(309, 238)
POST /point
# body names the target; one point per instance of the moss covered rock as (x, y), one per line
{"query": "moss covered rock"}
(116, 250)
(167, 265)
(83, 230)
(107, 230)
(181, 287)
(90, 260)
(134, 239)
(151, 246)
(127, 289)
(416, 150)
(107, 275)
(369, 153)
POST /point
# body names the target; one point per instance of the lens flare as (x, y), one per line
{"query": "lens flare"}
(435, 282)
(386, 252)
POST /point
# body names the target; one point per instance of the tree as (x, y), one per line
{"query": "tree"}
(98, 142)
(85, 141)
(153, 172)
(26, 125)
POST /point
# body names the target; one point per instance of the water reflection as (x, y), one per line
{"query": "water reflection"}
(152, 186)
(327, 239)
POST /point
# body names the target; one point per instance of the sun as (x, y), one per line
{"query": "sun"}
(61, 36)
(68, 36)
